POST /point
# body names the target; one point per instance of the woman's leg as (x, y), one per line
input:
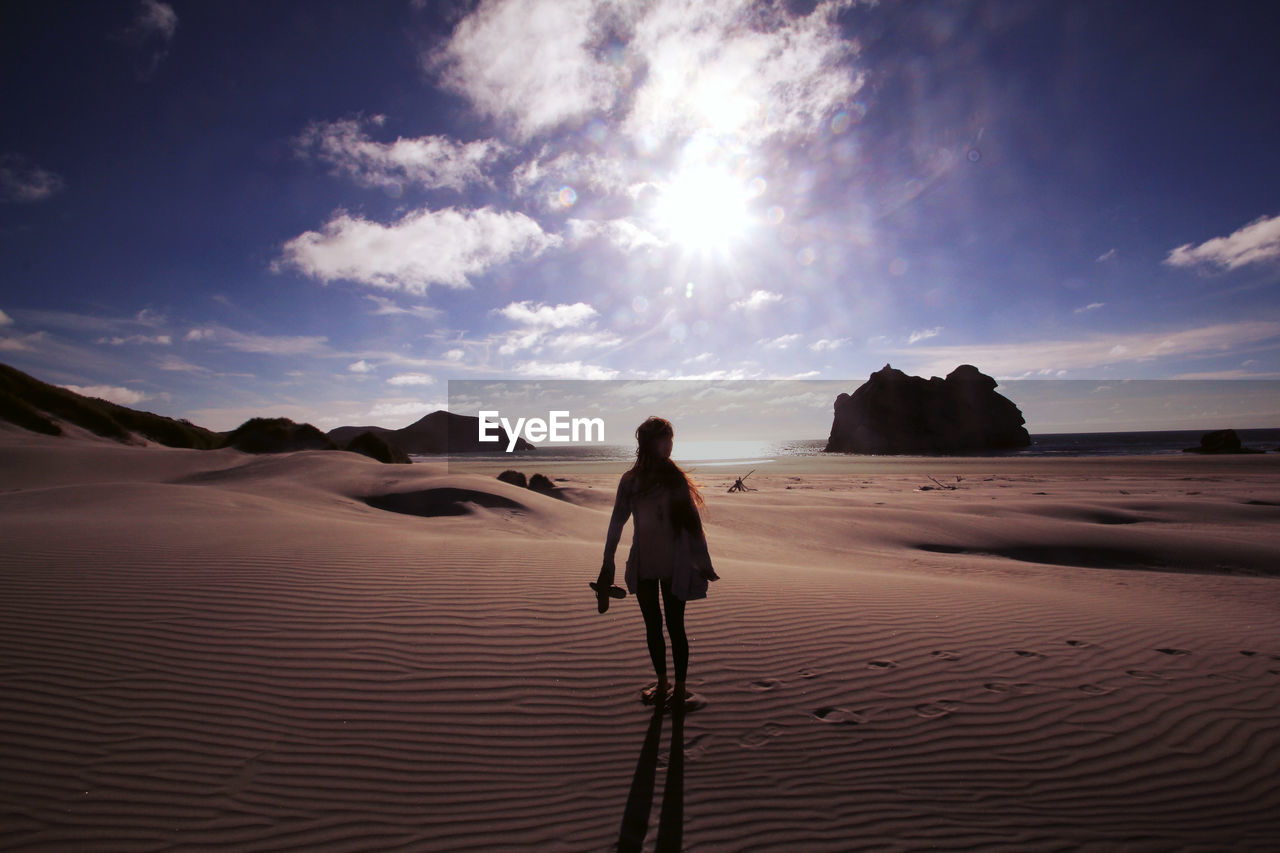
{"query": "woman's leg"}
(674, 608)
(647, 595)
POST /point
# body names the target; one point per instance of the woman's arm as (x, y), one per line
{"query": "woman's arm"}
(621, 512)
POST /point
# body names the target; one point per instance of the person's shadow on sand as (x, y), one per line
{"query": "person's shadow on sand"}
(635, 819)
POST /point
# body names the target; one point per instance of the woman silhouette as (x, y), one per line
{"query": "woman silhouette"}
(668, 549)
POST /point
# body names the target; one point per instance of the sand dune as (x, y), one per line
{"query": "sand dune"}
(315, 651)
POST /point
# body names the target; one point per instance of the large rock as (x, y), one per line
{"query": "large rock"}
(438, 432)
(1220, 441)
(896, 413)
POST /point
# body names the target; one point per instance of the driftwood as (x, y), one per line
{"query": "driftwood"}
(739, 486)
(948, 487)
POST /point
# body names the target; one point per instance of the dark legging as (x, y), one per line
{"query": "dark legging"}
(647, 595)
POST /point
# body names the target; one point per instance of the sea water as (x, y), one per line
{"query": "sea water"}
(749, 452)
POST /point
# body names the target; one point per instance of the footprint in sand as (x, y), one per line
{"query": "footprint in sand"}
(1145, 675)
(1174, 652)
(1023, 653)
(759, 737)
(838, 716)
(763, 685)
(881, 664)
(1250, 654)
(808, 672)
(943, 654)
(696, 747)
(1080, 644)
(1096, 689)
(934, 710)
(1019, 687)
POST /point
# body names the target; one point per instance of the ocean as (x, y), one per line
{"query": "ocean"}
(735, 453)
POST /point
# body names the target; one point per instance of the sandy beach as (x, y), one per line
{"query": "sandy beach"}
(213, 650)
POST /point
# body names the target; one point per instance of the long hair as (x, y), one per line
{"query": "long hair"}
(653, 470)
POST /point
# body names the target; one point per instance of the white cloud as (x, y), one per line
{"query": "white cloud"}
(550, 175)
(159, 340)
(1227, 374)
(565, 370)
(1092, 306)
(731, 67)
(424, 247)
(825, 344)
(389, 307)
(537, 321)
(738, 69)
(583, 340)
(534, 64)
(412, 379)
(553, 316)
(923, 334)
(621, 233)
(21, 181)
(5, 319)
(523, 339)
(780, 342)
(1257, 242)
(360, 366)
(156, 19)
(429, 161)
(1021, 359)
(454, 354)
(151, 31)
(264, 344)
(22, 344)
(110, 393)
(758, 299)
(179, 365)
(1106, 256)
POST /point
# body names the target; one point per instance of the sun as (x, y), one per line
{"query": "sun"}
(703, 207)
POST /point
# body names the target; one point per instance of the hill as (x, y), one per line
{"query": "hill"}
(438, 432)
(38, 406)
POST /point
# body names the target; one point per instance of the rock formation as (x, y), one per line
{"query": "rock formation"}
(541, 483)
(1220, 441)
(515, 478)
(896, 413)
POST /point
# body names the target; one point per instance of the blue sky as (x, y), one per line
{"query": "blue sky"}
(327, 211)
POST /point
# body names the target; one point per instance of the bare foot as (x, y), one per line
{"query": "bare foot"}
(655, 692)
